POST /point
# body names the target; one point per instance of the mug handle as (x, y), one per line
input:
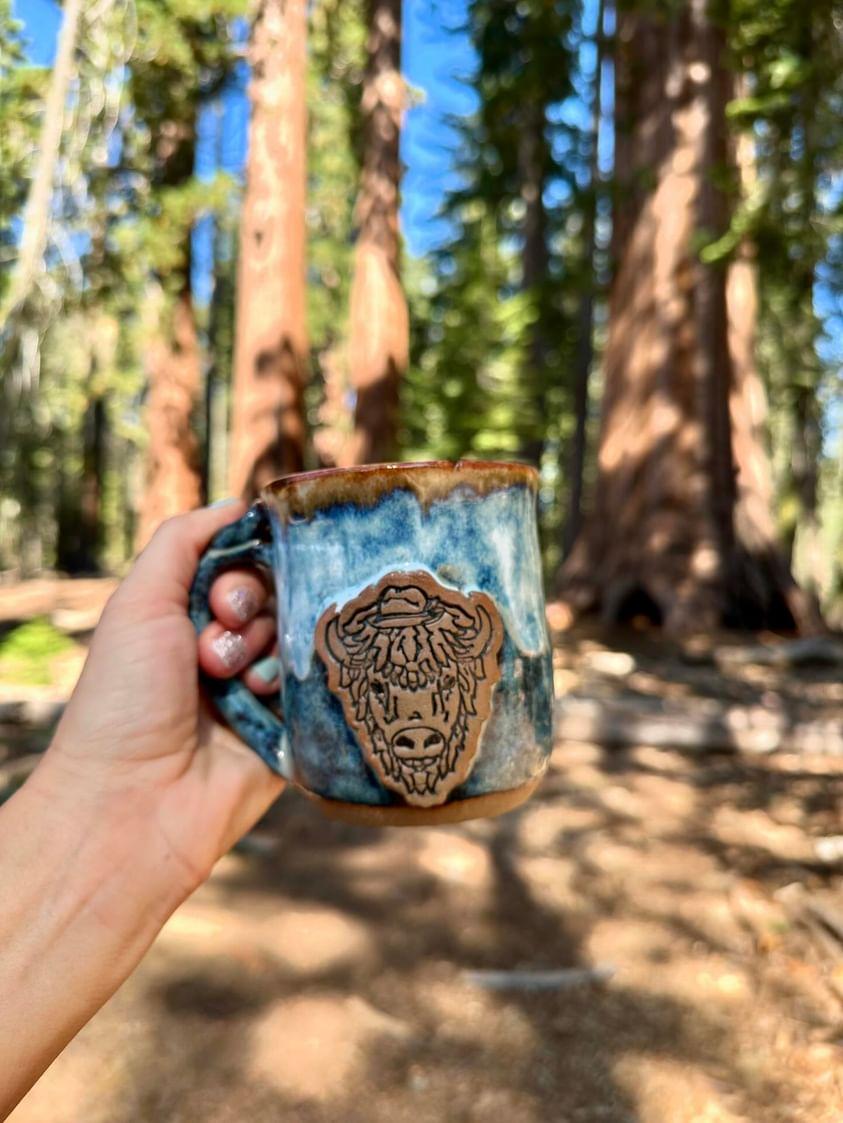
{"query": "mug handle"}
(245, 542)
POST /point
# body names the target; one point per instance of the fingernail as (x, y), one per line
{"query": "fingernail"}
(243, 602)
(227, 502)
(267, 669)
(231, 649)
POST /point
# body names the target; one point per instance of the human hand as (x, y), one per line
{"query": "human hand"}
(137, 745)
(136, 798)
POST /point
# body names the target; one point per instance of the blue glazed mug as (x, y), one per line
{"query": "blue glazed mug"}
(416, 682)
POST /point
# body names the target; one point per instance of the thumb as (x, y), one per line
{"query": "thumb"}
(166, 567)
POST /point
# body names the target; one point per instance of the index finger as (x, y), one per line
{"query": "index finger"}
(168, 564)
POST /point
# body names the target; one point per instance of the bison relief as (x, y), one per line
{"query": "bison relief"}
(414, 665)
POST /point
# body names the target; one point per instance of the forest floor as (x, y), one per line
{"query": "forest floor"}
(333, 974)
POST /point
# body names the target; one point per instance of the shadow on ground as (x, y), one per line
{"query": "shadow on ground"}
(319, 976)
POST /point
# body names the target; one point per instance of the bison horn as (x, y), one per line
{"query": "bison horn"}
(479, 641)
(333, 641)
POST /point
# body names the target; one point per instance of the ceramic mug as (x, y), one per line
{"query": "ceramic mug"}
(416, 681)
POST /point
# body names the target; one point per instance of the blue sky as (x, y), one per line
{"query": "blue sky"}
(435, 54)
(437, 60)
(437, 57)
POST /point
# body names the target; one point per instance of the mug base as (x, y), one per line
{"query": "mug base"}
(477, 807)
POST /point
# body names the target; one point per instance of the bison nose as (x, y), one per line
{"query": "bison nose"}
(418, 742)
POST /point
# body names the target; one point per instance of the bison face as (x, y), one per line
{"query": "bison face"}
(414, 665)
(417, 722)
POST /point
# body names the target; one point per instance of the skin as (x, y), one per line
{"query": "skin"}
(135, 800)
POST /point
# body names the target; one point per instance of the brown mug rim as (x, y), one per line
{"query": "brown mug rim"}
(303, 494)
(518, 468)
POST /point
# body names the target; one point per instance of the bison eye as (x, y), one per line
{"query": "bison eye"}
(449, 682)
(379, 689)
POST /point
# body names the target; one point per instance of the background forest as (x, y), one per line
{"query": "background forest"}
(241, 238)
(629, 273)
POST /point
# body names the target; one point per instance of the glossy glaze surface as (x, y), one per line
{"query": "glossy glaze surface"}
(477, 535)
(441, 564)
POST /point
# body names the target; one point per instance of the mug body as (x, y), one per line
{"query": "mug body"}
(416, 664)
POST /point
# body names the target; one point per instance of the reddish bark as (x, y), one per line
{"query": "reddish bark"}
(173, 364)
(270, 362)
(334, 418)
(681, 522)
(379, 332)
(173, 482)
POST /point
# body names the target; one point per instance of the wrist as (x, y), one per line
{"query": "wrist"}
(98, 835)
(79, 911)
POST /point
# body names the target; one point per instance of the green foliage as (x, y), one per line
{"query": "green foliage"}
(462, 391)
(494, 310)
(27, 651)
(791, 56)
(337, 39)
(337, 58)
(491, 360)
(124, 212)
(21, 93)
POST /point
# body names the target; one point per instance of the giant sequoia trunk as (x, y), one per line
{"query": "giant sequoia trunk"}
(173, 483)
(379, 333)
(173, 365)
(268, 422)
(681, 526)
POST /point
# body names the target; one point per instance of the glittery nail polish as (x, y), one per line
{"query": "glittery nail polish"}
(231, 649)
(243, 603)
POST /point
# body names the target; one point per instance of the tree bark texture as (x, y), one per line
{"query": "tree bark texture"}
(379, 330)
(173, 482)
(173, 363)
(681, 527)
(270, 362)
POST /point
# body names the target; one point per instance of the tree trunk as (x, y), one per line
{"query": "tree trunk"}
(78, 512)
(173, 481)
(754, 521)
(806, 411)
(66, 513)
(379, 331)
(36, 215)
(675, 532)
(268, 419)
(805, 543)
(333, 417)
(221, 349)
(533, 167)
(94, 437)
(585, 326)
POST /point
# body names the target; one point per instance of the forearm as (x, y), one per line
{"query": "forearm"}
(81, 899)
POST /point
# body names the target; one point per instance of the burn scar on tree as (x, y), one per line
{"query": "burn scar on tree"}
(414, 665)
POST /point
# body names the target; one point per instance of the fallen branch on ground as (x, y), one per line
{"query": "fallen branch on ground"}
(563, 978)
(728, 728)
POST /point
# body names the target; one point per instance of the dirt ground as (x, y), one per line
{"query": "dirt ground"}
(323, 975)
